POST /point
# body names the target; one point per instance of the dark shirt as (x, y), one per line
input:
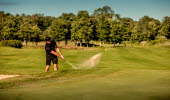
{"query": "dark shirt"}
(49, 48)
(54, 45)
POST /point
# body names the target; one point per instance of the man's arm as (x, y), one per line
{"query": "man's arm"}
(58, 50)
(54, 53)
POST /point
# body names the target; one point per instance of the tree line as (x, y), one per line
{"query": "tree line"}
(103, 25)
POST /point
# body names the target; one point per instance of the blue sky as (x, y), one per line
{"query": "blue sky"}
(134, 9)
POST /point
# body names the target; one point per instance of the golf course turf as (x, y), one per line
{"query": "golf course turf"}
(123, 73)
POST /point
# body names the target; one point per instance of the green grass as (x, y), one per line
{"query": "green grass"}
(123, 74)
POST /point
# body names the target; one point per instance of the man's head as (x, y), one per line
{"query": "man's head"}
(48, 40)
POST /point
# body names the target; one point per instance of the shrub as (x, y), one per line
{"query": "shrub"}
(12, 43)
(161, 39)
(152, 42)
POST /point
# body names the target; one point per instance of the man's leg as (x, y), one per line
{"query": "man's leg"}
(48, 62)
(55, 63)
(47, 68)
(55, 67)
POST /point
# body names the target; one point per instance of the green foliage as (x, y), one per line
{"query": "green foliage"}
(29, 31)
(12, 43)
(115, 32)
(59, 29)
(165, 27)
(103, 29)
(146, 29)
(44, 22)
(103, 25)
(35, 34)
(126, 26)
(68, 19)
(2, 19)
(153, 42)
(158, 40)
(161, 39)
(10, 28)
(104, 12)
(82, 27)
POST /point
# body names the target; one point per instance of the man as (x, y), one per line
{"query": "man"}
(51, 54)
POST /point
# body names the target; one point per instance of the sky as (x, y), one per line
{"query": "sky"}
(134, 9)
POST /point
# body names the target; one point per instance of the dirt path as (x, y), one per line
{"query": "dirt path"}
(7, 76)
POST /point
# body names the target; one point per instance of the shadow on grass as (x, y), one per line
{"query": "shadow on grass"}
(69, 75)
(165, 97)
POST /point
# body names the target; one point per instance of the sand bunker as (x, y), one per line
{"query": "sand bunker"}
(92, 62)
(7, 76)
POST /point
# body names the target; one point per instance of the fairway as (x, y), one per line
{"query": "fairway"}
(123, 73)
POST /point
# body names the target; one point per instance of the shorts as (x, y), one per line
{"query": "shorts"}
(49, 59)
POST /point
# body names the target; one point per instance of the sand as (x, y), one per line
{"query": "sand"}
(92, 62)
(7, 76)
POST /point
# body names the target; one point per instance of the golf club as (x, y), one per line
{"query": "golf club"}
(70, 64)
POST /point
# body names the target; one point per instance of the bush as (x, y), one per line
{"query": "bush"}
(12, 43)
(158, 41)
(161, 39)
(152, 42)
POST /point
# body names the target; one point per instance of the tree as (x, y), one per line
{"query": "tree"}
(35, 34)
(94, 34)
(69, 18)
(154, 27)
(103, 25)
(103, 30)
(125, 29)
(82, 28)
(115, 32)
(127, 26)
(10, 28)
(26, 29)
(165, 27)
(2, 19)
(58, 29)
(44, 22)
(104, 12)
(104, 16)
(146, 29)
